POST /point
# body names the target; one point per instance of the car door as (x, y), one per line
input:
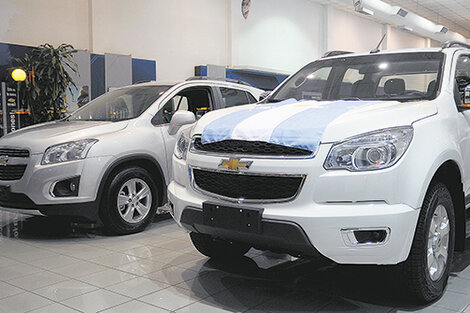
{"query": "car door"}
(460, 81)
(197, 99)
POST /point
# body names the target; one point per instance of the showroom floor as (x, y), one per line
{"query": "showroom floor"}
(47, 267)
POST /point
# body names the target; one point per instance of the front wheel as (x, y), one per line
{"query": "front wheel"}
(426, 270)
(130, 202)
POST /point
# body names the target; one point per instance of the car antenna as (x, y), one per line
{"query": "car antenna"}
(380, 42)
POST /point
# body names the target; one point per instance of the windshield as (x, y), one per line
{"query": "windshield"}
(121, 104)
(402, 77)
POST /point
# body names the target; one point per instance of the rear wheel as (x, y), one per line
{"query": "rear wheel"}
(130, 202)
(219, 249)
(426, 270)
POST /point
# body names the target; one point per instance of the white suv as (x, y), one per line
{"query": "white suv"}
(108, 161)
(361, 158)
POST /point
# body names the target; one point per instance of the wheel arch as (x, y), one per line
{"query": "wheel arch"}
(143, 160)
(449, 174)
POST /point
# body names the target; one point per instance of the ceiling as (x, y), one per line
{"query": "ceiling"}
(453, 14)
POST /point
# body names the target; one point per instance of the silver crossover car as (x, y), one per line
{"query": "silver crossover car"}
(109, 161)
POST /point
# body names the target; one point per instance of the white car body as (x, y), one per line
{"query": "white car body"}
(135, 141)
(331, 203)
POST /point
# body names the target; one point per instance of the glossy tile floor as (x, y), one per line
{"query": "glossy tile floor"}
(45, 266)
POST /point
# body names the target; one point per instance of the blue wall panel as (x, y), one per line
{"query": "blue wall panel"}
(9, 52)
(97, 75)
(143, 70)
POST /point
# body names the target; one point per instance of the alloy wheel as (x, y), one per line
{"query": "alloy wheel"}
(134, 200)
(438, 243)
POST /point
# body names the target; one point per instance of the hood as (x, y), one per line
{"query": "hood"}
(306, 124)
(38, 138)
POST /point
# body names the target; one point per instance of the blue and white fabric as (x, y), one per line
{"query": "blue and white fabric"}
(291, 123)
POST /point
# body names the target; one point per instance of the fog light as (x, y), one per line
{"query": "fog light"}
(365, 236)
(66, 188)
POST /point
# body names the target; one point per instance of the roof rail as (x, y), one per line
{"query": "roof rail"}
(335, 53)
(241, 82)
(452, 43)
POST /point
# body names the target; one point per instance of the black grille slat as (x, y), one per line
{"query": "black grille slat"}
(14, 153)
(12, 172)
(250, 187)
(249, 148)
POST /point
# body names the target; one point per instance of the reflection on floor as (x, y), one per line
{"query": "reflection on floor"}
(47, 266)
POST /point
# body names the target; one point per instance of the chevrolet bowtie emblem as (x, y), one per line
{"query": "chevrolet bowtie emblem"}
(3, 160)
(234, 164)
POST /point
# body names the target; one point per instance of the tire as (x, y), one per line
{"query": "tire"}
(427, 282)
(123, 210)
(218, 249)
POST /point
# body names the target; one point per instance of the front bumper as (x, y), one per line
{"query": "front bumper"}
(322, 225)
(33, 190)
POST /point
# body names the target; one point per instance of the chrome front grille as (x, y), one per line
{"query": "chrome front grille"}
(14, 153)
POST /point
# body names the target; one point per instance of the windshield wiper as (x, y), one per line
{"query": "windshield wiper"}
(67, 118)
(351, 99)
(274, 100)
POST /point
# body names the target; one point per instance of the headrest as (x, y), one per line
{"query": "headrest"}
(431, 87)
(394, 86)
(363, 88)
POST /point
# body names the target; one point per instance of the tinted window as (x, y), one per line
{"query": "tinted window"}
(462, 77)
(233, 97)
(397, 76)
(121, 104)
(197, 100)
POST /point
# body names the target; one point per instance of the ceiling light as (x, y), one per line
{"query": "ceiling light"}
(366, 11)
(406, 28)
(444, 30)
(401, 12)
(359, 7)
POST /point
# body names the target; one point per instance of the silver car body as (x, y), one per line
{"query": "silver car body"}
(121, 140)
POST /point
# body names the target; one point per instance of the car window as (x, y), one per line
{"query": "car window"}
(350, 77)
(394, 77)
(121, 104)
(414, 83)
(233, 97)
(462, 77)
(195, 99)
(251, 98)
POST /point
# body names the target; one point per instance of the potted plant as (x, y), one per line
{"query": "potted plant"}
(43, 92)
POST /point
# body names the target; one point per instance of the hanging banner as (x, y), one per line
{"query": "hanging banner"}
(10, 105)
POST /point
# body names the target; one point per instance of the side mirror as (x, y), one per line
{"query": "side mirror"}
(179, 119)
(264, 95)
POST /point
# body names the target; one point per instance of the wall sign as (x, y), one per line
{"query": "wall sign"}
(9, 99)
(246, 8)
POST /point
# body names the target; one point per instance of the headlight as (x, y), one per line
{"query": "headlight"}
(69, 151)
(371, 151)
(182, 145)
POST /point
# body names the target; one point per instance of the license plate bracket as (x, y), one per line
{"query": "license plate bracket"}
(247, 220)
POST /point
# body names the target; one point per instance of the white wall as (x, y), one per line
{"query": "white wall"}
(352, 32)
(278, 34)
(400, 39)
(35, 22)
(179, 34)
